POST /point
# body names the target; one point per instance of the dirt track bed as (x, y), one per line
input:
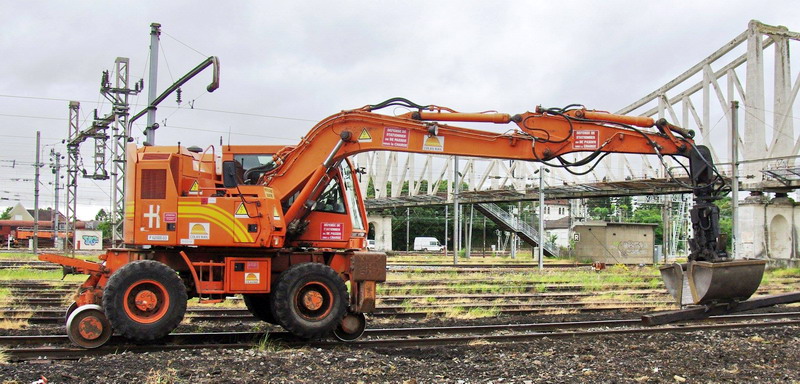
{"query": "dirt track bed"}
(740, 356)
(759, 355)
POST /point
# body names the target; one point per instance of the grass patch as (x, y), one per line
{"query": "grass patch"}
(783, 273)
(16, 321)
(265, 344)
(16, 324)
(25, 273)
(162, 376)
(561, 311)
(30, 256)
(195, 302)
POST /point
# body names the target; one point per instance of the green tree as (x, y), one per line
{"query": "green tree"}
(105, 223)
(599, 207)
(726, 218)
(6, 215)
(650, 215)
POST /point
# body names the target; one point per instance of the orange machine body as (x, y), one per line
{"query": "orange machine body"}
(248, 219)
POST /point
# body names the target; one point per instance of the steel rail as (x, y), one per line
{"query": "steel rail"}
(520, 333)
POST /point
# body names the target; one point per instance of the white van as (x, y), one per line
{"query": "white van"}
(427, 244)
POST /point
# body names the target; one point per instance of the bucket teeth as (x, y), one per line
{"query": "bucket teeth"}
(702, 282)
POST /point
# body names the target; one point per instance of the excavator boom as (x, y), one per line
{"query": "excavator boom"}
(544, 135)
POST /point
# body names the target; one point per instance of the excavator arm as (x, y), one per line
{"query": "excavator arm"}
(544, 135)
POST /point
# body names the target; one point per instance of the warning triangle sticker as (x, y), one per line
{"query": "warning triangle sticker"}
(364, 136)
(195, 188)
(275, 214)
(241, 211)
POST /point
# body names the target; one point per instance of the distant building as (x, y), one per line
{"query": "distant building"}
(614, 243)
(20, 226)
(18, 212)
(557, 221)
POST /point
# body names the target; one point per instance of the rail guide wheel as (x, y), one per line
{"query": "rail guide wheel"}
(72, 307)
(351, 327)
(88, 327)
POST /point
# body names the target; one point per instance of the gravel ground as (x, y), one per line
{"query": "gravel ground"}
(763, 355)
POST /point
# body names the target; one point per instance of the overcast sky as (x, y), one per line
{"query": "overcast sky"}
(286, 65)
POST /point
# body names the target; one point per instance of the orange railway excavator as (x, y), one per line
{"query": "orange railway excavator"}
(286, 226)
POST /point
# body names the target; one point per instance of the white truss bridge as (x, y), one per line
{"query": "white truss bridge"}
(754, 69)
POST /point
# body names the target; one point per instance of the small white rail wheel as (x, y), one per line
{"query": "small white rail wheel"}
(88, 326)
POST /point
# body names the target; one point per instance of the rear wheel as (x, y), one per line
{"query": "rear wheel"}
(259, 306)
(145, 300)
(309, 300)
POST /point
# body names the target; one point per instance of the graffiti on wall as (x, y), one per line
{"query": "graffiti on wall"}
(632, 248)
(92, 240)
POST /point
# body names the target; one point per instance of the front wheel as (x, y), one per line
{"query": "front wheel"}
(145, 300)
(309, 300)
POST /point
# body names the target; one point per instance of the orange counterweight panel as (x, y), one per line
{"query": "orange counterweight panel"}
(247, 275)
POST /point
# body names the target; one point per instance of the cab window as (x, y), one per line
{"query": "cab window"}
(331, 199)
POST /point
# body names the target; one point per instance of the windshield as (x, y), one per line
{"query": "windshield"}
(255, 160)
(350, 195)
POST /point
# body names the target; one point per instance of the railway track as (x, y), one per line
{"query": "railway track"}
(29, 264)
(228, 315)
(55, 346)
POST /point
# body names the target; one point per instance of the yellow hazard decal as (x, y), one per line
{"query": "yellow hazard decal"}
(195, 188)
(268, 193)
(364, 137)
(199, 231)
(216, 215)
(241, 211)
(433, 143)
(252, 278)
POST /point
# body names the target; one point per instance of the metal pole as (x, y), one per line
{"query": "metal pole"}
(512, 238)
(665, 219)
(72, 176)
(36, 197)
(445, 230)
(541, 217)
(57, 187)
(408, 228)
(734, 175)
(456, 216)
(468, 235)
(520, 221)
(150, 130)
(483, 248)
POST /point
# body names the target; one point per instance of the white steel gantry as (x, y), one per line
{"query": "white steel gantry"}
(698, 99)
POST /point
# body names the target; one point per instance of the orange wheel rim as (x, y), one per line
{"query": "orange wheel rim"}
(90, 328)
(314, 301)
(146, 301)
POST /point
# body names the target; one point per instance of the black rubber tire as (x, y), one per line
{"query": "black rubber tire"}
(286, 300)
(135, 273)
(260, 306)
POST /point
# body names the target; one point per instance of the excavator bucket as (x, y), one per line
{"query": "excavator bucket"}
(702, 282)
